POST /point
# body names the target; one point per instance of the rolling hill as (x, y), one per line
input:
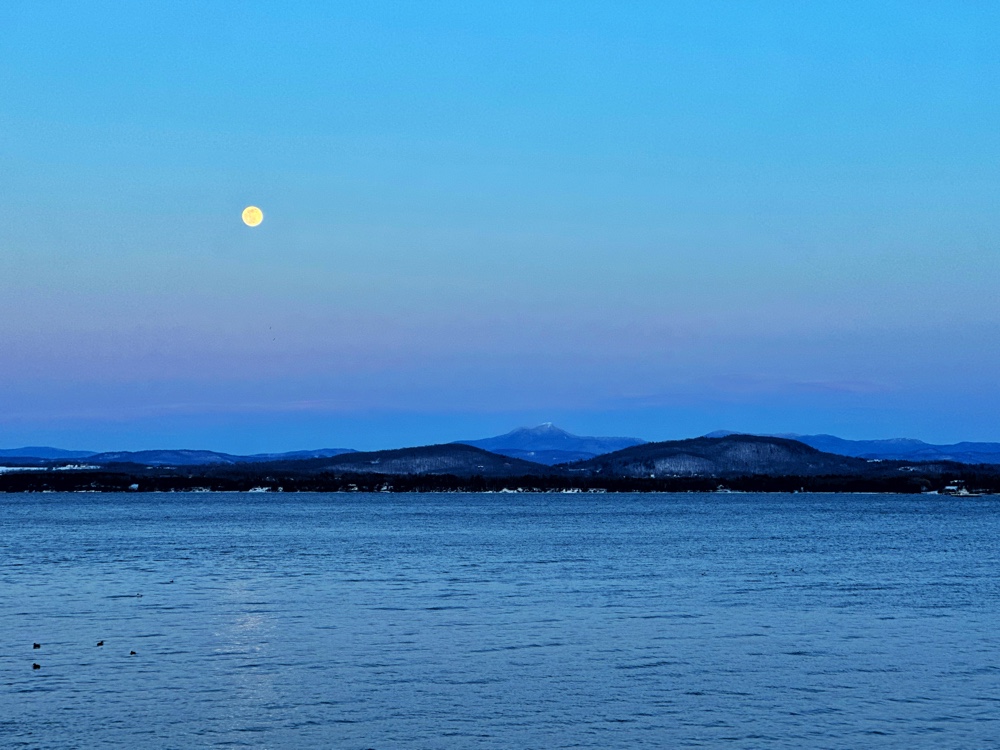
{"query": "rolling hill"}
(894, 449)
(451, 458)
(732, 455)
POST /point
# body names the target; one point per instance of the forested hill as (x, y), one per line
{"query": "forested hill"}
(454, 458)
(732, 455)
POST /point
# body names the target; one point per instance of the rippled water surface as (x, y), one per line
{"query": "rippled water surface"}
(499, 621)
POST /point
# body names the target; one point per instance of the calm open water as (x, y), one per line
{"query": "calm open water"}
(499, 621)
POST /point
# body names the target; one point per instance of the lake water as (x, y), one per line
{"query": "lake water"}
(499, 621)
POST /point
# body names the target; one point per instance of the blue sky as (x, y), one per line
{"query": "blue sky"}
(653, 219)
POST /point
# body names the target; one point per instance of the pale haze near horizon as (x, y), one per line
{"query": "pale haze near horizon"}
(647, 219)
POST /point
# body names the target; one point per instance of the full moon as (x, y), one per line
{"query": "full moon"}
(252, 216)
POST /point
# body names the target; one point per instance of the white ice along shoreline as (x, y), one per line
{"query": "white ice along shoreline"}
(67, 467)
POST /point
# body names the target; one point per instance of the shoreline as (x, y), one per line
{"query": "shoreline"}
(521, 491)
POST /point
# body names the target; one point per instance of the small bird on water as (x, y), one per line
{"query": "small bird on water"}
(36, 666)
(131, 653)
(36, 645)
(100, 643)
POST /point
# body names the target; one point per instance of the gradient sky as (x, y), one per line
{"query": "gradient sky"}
(637, 218)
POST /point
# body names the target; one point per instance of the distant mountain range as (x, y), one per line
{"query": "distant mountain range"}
(549, 445)
(735, 462)
(27, 456)
(545, 444)
(44, 453)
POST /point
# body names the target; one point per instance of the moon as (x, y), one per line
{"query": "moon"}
(252, 216)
